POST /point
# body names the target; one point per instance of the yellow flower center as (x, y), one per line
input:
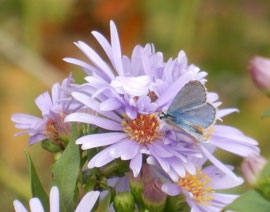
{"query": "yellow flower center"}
(143, 129)
(198, 186)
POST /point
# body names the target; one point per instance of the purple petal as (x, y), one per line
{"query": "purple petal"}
(101, 159)
(160, 150)
(126, 149)
(136, 164)
(94, 105)
(104, 44)
(36, 138)
(131, 112)
(231, 133)
(98, 140)
(44, 103)
(235, 147)
(110, 104)
(224, 199)
(178, 167)
(220, 180)
(163, 162)
(134, 86)
(95, 58)
(116, 50)
(25, 119)
(173, 175)
(212, 97)
(220, 129)
(55, 93)
(189, 166)
(217, 163)
(86, 67)
(95, 120)
(171, 189)
(224, 112)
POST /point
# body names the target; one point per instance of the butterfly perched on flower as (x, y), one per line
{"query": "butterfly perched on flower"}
(190, 112)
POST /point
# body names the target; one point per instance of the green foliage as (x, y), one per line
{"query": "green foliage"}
(65, 172)
(250, 202)
(36, 187)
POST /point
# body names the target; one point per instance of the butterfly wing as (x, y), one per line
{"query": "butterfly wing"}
(189, 110)
(192, 94)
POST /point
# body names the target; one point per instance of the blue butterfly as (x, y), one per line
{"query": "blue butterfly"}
(190, 112)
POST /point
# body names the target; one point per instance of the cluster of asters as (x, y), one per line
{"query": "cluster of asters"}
(124, 98)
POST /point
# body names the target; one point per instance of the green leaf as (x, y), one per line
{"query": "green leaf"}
(36, 187)
(250, 202)
(65, 172)
(266, 113)
(104, 204)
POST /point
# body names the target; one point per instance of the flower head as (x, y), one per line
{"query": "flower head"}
(199, 190)
(128, 96)
(54, 109)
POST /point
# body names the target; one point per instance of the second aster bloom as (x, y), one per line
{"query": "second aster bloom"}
(54, 109)
(199, 190)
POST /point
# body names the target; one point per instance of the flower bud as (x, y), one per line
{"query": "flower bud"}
(124, 202)
(136, 185)
(51, 146)
(177, 203)
(251, 168)
(259, 68)
(153, 197)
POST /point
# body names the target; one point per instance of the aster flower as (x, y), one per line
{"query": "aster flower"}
(86, 204)
(199, 190)
(129, 103)
(54, 109)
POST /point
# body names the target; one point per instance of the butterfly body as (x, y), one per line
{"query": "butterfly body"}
(190, 112)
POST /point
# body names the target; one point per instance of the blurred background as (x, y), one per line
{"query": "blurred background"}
(218, 36)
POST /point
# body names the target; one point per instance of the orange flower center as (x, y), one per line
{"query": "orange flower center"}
(198, 186)
(143, 129)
